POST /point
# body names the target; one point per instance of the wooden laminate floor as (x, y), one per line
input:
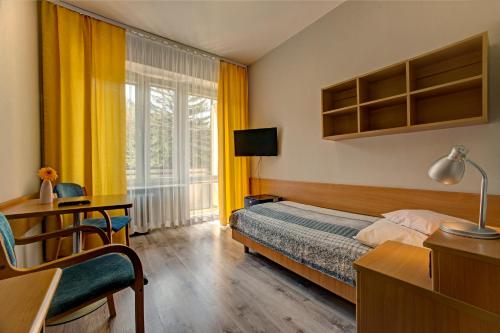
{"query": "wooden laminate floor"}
(201, 281)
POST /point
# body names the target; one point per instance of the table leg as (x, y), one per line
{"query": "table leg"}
(77, 236)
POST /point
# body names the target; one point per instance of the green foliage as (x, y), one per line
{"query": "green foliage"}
(164, 122)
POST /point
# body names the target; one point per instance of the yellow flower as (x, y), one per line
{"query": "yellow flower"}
(47, 173)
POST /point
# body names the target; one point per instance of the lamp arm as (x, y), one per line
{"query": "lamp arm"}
(484, 194)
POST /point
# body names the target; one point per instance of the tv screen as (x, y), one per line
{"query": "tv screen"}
(256, 142)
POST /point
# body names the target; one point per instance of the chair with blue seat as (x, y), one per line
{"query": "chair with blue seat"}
(86, 277)
(109, 224)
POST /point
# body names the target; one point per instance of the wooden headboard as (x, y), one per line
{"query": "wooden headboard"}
(375, 201)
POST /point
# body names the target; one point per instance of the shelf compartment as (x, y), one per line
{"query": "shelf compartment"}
(339, 96)
(390, 81)
(435, 106)
(388, 114)
(340, 123)
(460, 61)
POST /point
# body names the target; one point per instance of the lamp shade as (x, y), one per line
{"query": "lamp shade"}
(449, 169)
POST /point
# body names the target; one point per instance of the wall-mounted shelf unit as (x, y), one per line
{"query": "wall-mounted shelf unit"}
(444, 88)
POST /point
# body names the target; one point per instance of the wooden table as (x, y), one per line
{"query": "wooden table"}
(394, 295)
(26, 300)
(101, 203)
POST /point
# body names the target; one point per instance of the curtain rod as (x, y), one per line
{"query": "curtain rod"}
(82, 11)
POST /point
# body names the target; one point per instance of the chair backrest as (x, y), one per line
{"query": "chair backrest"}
(68, 190)
(7, 239)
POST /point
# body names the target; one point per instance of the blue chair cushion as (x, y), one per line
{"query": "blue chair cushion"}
(117, 222)
(8, 239)
(68, 190)
(90, 279)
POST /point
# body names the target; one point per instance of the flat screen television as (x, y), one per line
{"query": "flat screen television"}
(256, 142)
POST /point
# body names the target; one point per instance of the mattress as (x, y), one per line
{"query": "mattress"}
(316, 237)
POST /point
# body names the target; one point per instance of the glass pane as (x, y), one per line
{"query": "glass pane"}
(202, 174)
(161, 127)
(200, 129)
(130, 157)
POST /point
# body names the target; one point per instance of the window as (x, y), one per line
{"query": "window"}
(130, 128)
(171, 147)
(203, 158)
(161, 127)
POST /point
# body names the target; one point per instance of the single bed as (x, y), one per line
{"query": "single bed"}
(314, 242)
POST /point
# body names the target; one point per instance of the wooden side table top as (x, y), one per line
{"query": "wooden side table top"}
(26, 300)
(400, 261)
(33, 207)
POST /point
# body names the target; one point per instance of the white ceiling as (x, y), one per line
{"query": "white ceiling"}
(242, 31)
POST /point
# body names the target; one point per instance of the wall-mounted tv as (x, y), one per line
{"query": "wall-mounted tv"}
(256, 142)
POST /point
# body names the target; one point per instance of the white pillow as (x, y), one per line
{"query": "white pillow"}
(384, 230)
(424, 221)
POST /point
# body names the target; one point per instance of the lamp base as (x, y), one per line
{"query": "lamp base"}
(469, 230)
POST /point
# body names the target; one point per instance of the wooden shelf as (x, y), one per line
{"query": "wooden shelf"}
(367, 134)
(443, 88)
(341, 110)
(386, 100)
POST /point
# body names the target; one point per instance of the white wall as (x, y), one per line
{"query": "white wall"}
(355, 38)
(19, 99)
(19, 107)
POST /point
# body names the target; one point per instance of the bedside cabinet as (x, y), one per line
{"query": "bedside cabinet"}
(394, 294)
(386, 280)
(467, 269)
(252, 200)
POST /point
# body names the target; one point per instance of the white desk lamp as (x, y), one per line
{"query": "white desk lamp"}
(450, 170)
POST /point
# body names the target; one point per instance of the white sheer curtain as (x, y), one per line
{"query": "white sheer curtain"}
(171, 134)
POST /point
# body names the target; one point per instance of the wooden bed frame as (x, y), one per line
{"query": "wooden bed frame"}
(332, 284)
(366, 200)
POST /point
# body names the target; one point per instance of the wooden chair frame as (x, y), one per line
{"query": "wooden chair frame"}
(8, 271)
(107, 218)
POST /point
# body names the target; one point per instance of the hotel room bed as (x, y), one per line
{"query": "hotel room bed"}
(321, 239)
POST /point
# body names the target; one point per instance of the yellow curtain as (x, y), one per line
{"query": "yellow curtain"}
(84, 99)
(232, 114)
(83, 61)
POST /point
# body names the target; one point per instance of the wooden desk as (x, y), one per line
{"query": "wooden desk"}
(26, 300)
(33, 208)
(394, 295)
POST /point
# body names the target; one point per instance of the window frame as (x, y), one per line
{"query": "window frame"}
(182, 92)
